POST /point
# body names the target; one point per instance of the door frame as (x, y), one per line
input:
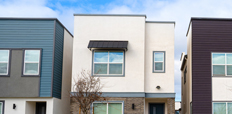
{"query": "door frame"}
(155, 103)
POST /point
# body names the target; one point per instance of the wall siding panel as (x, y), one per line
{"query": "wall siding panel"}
(58, 61)
(31, 34)
(207, 36)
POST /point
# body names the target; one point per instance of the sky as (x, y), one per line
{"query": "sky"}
(179, 11)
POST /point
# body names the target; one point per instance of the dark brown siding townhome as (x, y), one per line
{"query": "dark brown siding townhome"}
(209, 67)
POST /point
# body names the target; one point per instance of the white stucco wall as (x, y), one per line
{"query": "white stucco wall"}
(222, 88)
(159, 37)
(22, 103)
(177, 105)
(126, 28)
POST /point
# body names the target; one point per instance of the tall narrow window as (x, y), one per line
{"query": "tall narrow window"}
(108, 62)
(31, 62)
(185, 73)
(222, 64)
(159, 61)
(4, 62)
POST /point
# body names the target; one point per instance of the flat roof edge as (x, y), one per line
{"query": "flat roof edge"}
(135, 15)
(210, 18)
(31, 18)
(160, 22)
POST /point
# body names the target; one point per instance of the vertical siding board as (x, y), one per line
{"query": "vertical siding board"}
(207, 36)
(31, 34)
(58, 61)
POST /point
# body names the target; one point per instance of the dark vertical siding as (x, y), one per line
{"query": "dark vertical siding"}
(31, 34)
(207, 36)
(58, 61)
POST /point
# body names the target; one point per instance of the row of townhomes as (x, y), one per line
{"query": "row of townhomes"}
(40, 60)
(207, 67)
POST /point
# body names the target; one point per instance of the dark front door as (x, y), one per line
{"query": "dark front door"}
(156, 108)
(41, 108)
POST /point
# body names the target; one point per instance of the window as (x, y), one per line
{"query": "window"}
(108, 63)
(108, 108)
(222, 108)
(31, 62)
(4, 62)
(177, 112)
(159, 61)
(1, 107)
(221, 64)
(185, 72)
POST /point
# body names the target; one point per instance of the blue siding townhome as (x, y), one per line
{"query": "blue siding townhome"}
(35, 66)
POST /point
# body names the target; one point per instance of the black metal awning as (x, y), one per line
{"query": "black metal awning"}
(108, 44)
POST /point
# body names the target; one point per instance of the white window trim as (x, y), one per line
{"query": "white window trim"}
(7, 71)
(220, 64)
(24, 62)
(221, 102)
(154, 70)
(108, 63)
(107, 105)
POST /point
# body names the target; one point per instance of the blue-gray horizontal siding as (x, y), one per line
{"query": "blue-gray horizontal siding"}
(31, 34)
(58, 61)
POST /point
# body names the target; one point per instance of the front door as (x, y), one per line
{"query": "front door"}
(156, 108)
(41, 108)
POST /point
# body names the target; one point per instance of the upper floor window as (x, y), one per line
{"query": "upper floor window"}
(185, 73)
(31, 62)
(159, 61)
(108, 63)
(222, 64)
(4, 62)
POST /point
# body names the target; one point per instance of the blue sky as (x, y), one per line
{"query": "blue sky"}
(179, 11)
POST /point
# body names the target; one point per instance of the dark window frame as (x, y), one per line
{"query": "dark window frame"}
(153, 62)
(116, 75)
(40, 59)
(9, 62)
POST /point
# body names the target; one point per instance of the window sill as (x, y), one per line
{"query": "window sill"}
(158, 72)
(30, 76)
(108, 75)
(5, 75)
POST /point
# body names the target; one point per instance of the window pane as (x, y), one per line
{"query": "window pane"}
(32, 55)
(115, 108)
(229, 108)
(229, 69)
(100, 68)
(115, 69)
(100, 56)
(3, 68)
(4, 55)
(99, 108)
(229, 58)
(31, 68)
(158, 66)
(218, 58)
(219, 70)
(159, 56)
(219, 108)
(116, 56)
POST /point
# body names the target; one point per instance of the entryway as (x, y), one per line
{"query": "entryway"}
(40, 108)
(156, 108)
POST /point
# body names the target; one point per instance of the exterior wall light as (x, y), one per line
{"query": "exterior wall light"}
(14, 106)
(158, 87)
(133, 106)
